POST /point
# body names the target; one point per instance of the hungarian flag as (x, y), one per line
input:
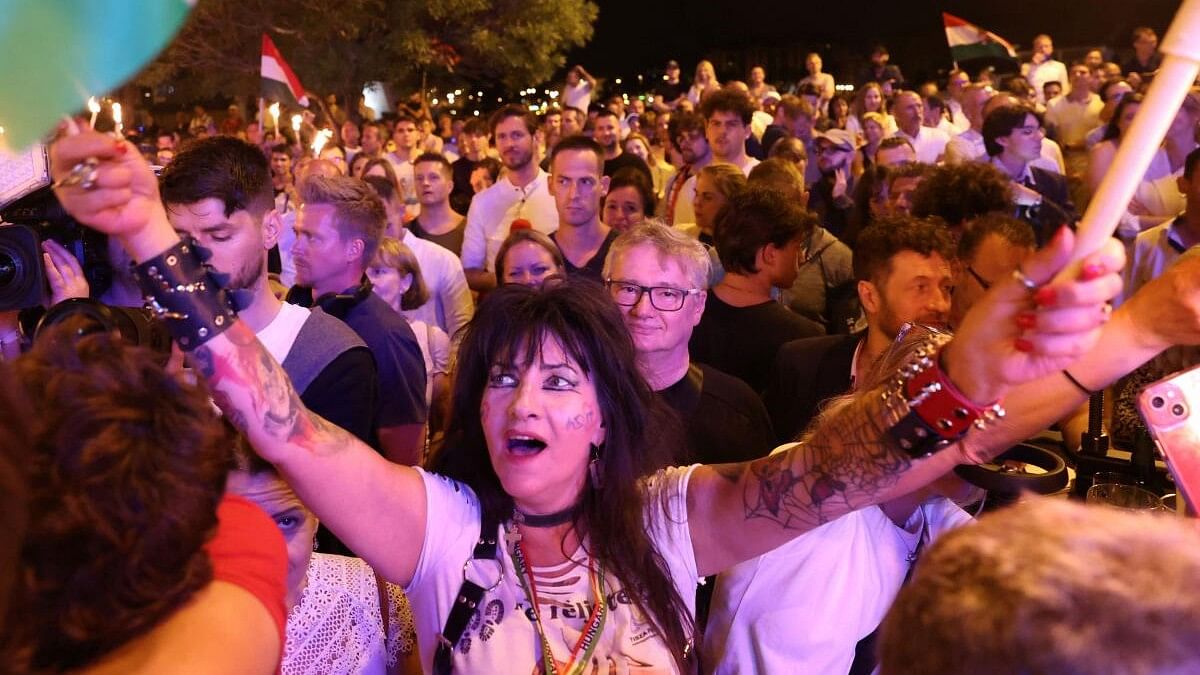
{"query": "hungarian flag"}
(969, 42)
(279, 83)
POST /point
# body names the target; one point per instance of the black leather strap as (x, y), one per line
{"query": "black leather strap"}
(468, 598)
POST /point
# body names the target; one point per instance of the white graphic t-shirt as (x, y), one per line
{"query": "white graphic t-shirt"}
(502, 637)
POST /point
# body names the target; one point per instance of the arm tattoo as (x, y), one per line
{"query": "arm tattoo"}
(273, 411)
(848, 461)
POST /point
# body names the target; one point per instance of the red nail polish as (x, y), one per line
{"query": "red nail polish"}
(1092, 271)
(1026, 320)
(121, 147)
(1023, 345)
(1044, 296)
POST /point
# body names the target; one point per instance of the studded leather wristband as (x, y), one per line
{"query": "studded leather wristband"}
(184, 292)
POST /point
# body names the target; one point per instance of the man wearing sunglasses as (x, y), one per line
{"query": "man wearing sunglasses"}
(657, 276)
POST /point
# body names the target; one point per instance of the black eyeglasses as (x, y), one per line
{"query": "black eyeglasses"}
(662, 298)
(982, 282)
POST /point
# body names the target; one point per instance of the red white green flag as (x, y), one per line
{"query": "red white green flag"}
(279, 83)
(968, 41)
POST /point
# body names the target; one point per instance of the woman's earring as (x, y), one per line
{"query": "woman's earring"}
(594, 467)
(316, 544)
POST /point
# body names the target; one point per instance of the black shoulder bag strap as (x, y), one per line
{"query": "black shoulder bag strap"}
(469, 596)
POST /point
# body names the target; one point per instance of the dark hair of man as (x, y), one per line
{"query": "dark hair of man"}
(513, 110)
(405, 116)
(1019, 86)
(606, 112)
(754, 218)
(512, 324)
(1189, 163)
(1113, 130)
(910, 170)
(962, 192)
(578, 143)
(809, 89)
(631, 177)
(681, 123)
(476, 126)
(281, 149)
(383, 187)
(728, 101)
(436, 158)
(1143, 31)
(492, 166)
(221, 167)
(124, 465)
(1002, 121)
(883, 239)
(794, 108)
(371, 124)
(358, 212)
(579, 112)
(893, 142)
(1104, 88)
(789, 148)
(778, 174)
(1013, 231)
(935, 101)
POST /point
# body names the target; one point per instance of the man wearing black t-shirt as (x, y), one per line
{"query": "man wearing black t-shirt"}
(578, 186)
(473, 144)
(657, 275)
(759, 238)
(606, 130)
(337, 233)
(669, 91)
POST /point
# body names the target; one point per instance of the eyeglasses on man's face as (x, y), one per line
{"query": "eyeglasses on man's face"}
(662, 298)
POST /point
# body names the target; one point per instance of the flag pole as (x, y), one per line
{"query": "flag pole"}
(1181, 62)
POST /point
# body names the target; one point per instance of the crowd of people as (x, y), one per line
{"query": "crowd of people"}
(676, 384)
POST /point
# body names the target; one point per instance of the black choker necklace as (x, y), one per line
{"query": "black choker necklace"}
(548, 520)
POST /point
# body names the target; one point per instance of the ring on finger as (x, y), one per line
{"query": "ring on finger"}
(83, 174)
(1029, 284)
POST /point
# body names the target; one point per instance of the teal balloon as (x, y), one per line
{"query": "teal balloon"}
(54, 54)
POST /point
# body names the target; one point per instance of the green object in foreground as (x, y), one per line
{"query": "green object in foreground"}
(54, 54)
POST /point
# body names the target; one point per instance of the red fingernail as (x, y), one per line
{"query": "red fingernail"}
(121, 147)
(1026, 320)
(1023, 345)
(1092, 271)
(1044, 296)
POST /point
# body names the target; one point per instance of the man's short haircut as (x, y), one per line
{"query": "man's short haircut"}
(1019, 86)
(960, 193)
(681, 123)
(935, 101)
(891, 142)
(281, 149)
(794, 108)
(882, 240)
(669, 243)
(404, 116)
(371, 124)
(1189, 163)
(751, 220)
(789, 148)
(1051, 586)
(636, 179)
(1014, 232)
(221, 167)
(780, 174)
(728, 101)
(358, 212)
(476, 126)
(394, 254)
(436, 158)
(492, 166)
(1143, 31)
(579, 143)
(383, 187)
(809, 89)
(606, 112)
(513, 110)
(1001, 122)
(579, 112)
(911, 170)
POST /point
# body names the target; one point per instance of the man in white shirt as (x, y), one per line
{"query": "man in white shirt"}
(956, 86)
(407, 137)
(1042, 66)
(929, 143)
(522, 193)
(577, 92)
(968, 145)
(1077, 113)
(727, 115)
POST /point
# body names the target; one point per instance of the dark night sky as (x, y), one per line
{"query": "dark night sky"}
(633, 36)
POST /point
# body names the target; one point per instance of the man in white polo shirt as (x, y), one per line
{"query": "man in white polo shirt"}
(929, 143)
(521, 194)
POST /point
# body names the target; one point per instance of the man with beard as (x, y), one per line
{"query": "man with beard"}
(219, 191)
(578, 187)
(606, 131)
(904, 273)
(372, 140)
(520, 197)
(727, 115)
(686, 132)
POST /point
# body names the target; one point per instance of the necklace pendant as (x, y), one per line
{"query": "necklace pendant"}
(512, 537)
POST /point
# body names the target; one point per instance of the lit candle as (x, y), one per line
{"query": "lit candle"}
(296, 125)
(320, 140)
(94, 107)
(274, 110)
(117, 120)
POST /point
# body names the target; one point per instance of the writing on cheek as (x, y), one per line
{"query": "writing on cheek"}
(582, 420)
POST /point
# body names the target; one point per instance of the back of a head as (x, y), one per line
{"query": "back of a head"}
(221, 167)
(751, 220)
(778, 174)
(1051, 586)
(125, 466)
(358, 211)
(961, 192)
(878, 243)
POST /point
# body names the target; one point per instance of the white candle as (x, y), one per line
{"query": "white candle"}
(117, 120)
(296, 126)
(94, 107)
(274, 110)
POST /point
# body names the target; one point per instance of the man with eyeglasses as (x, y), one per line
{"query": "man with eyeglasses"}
(831, 197)
(1013, 137)
(656, 275)
(988, 252)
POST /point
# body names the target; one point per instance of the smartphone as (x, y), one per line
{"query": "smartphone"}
(1167, 407)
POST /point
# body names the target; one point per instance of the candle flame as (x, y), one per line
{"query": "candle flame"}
(93, 105)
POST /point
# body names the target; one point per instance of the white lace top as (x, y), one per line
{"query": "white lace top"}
(337, 628)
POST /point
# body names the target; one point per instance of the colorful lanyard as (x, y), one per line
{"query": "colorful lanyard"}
(591, 630)
(676, 188)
